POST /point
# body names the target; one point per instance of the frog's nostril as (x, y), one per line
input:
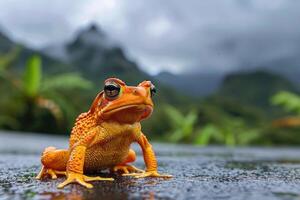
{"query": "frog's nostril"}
(136, 92)
(139, 92)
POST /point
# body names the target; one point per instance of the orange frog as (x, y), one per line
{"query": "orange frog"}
(101, 137)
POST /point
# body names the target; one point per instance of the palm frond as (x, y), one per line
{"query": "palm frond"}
(206, 134)
(32, 76)
(175, 116)
(67, 81)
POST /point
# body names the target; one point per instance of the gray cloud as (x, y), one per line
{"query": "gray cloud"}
(175, 35)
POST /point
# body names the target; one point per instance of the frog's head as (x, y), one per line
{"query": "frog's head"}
(122, 103)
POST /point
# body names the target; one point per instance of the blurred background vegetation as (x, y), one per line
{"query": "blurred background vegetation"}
(44, 93)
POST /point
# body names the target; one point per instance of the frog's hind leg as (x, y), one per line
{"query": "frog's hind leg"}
(54, 162)
(124, 167)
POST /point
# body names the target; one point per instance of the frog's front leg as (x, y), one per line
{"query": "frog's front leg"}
(75, 166)
(150, 161)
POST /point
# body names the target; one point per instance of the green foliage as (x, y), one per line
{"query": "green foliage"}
(66, 81)
(288, 101)
(182, 126)
(230, 131)
(40, 104)
(206, 134)
(233, 131)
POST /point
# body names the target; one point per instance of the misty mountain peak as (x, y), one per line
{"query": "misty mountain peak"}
(93, 36)
(90, 37)
(94, 52)
(94, 28)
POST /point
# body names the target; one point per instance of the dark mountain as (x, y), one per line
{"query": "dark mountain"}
(90, 50)
(254, 88)
(289, 69)
(97, 57)
(198, 84)
(5, 43)
(204, 84)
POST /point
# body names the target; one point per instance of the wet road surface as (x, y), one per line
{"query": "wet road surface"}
(210, 173)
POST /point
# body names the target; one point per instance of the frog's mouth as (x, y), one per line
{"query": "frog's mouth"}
(131, 108)
(127, 113)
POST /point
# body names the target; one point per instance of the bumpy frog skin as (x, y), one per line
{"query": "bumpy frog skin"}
(101, 137)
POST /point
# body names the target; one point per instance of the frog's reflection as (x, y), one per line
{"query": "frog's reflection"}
(61, 196)
(80, 196)
(121, 188)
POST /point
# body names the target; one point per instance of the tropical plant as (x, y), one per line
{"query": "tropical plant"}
(182, 126)
(290, 102)
(230, 131)
(33, 92)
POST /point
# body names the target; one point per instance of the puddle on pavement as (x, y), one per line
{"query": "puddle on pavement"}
(19, 152)
(176, 154)
(287, 161)
(287, 195)
(219, 155)
(242, 165)
(192, 154)
(259, 164)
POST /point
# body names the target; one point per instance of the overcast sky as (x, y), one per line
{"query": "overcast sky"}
(174, 35)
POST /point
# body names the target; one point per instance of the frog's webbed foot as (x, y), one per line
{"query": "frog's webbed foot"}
(82, 180)
(52, 173)
(148, 174)
(127, 169)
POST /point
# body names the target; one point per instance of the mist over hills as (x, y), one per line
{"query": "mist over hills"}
(92, 53)
(205, 84)
(22, 53)
(198, 84)
(254, 88)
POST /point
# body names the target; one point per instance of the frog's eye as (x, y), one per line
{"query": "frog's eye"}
(112, 90)
(152, 90)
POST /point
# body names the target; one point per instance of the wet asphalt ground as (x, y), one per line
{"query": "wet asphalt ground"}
(212, 173)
